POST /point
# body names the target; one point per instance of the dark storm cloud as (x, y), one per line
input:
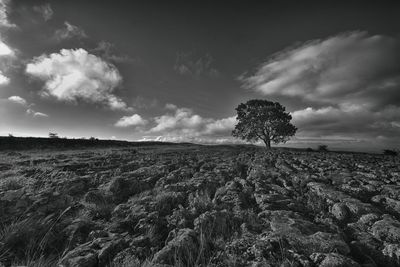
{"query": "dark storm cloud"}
(350, 83)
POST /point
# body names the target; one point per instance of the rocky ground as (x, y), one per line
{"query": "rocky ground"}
(198, 206)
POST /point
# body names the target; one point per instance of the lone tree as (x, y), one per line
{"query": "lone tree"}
(263, 120)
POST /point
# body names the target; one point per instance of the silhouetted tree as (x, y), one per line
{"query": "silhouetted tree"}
(263, 120)
(53, 135)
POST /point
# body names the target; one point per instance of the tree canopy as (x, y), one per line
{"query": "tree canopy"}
(263, 120)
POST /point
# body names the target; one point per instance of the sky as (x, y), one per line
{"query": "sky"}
(176, 70)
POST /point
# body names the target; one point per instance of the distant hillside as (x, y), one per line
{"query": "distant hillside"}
(21, 143)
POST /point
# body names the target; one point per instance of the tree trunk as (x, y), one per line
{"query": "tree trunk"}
(267, 143)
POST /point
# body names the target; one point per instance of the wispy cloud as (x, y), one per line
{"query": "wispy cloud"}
(29, 106)
(194, 65)
(45, 11)
(74, 74)
(348, 83)
(69, 31)
(108, 51)
(36, 114)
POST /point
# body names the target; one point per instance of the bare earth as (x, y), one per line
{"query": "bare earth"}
(188, 205)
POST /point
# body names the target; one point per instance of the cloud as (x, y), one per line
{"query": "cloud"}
(3, 79)
(191, 139)
(355, 122)
(5, 54)
(29, 110)
(191, 64)
(69, 31)
(45, 11)
(182, 120)
(348, 84)
(5, 50)
(74, 74)
(221, 126)
(36, 114)
(352, 67)
(183, 123)
(17, 100)
(107, 51)
(4, 10)
(171, 106)
(128, 121)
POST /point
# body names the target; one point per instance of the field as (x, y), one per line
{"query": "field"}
(190, 205)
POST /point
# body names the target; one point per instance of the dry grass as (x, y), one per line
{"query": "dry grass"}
(12, 183)
(31, 241)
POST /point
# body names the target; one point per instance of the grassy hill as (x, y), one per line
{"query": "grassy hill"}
(24, 143)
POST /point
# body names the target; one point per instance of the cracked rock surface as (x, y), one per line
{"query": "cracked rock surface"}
(190, 205)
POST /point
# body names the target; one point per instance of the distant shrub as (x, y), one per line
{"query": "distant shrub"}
(389, 152)
(53, 135)
(309, 149)
(323, 148)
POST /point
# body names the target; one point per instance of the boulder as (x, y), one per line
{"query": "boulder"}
(109, 250)
(80, 257)
(122, 188)
(333, 260)
(215, 223)
(319, 242)
(94, 197)
(392, 253)
(387, 229)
